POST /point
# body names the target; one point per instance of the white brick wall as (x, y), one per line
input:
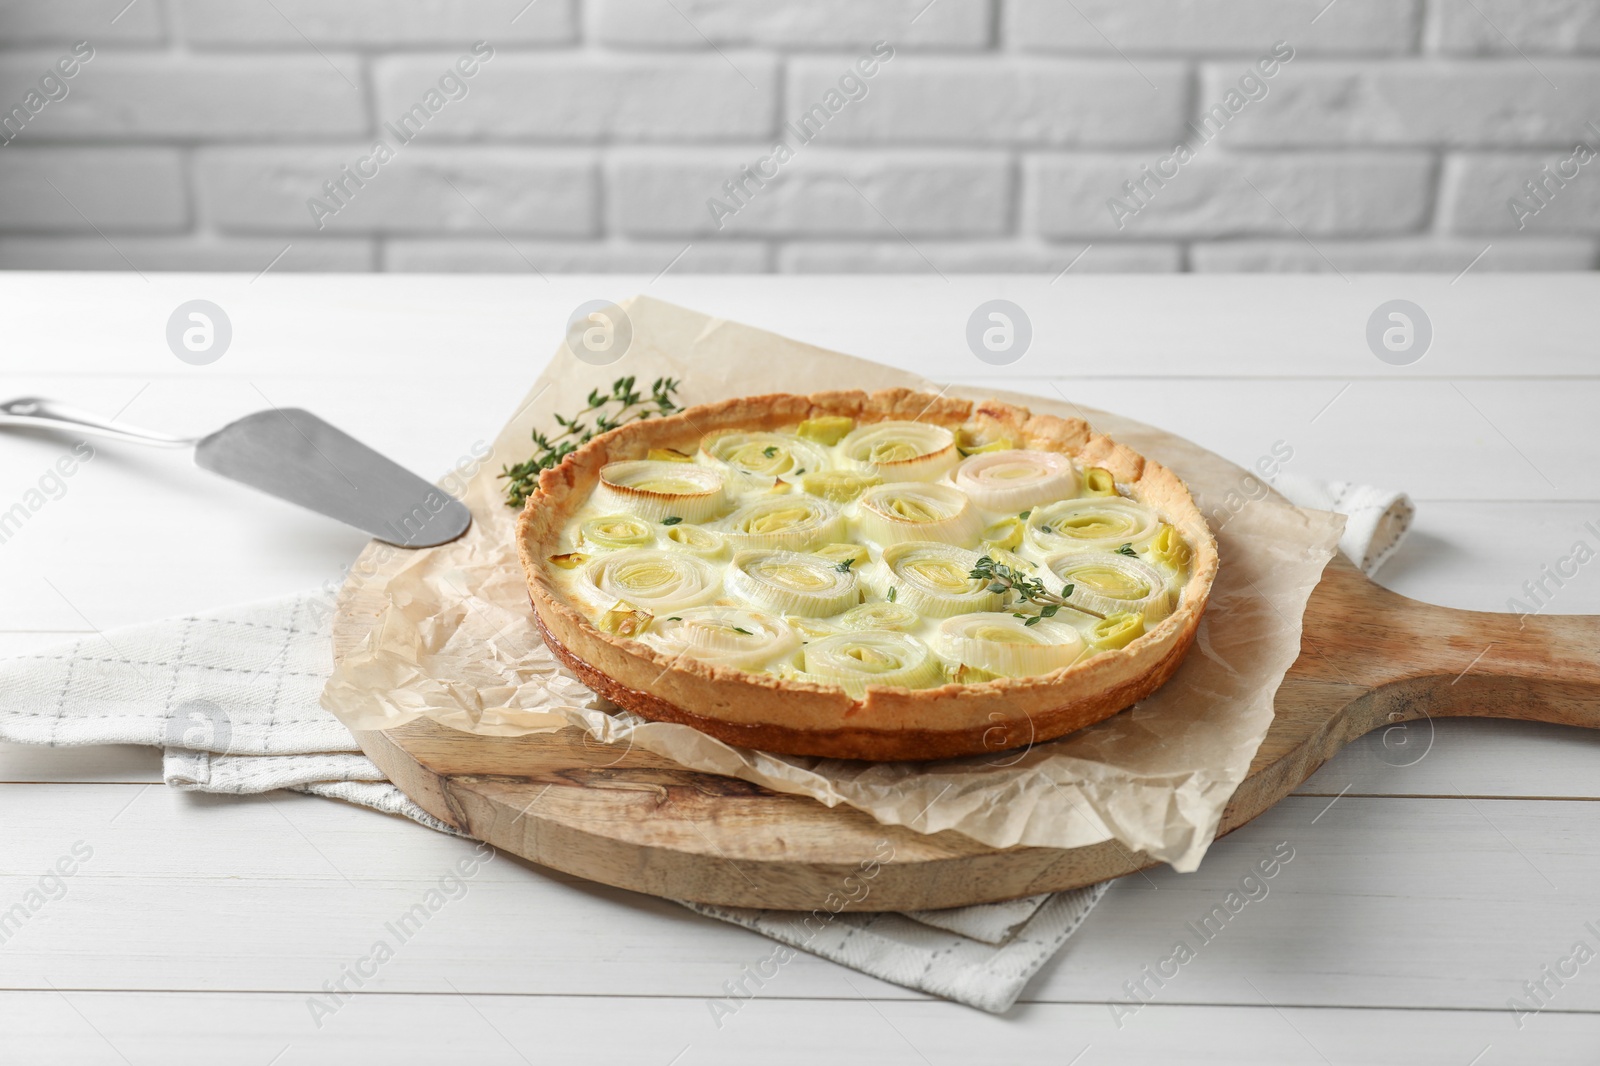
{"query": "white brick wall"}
(373, 24)
(155, 96)
(626, 135)
(1321, 194)
(1450, 103)
(1000, 100)
(1204, 27)
(829, 192)
(792, 25)
(426, 188)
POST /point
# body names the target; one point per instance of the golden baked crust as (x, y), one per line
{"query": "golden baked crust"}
(798, 717)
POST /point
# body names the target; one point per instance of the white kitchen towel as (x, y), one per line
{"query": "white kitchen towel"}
(231, 697)
(897, 948)
(992, 923)
(1376, 519)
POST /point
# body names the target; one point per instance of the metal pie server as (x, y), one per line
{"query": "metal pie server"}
(294, 455)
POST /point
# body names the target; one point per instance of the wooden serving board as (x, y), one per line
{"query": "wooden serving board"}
(1370, 659)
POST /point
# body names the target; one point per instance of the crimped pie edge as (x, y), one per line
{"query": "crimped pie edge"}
(767, 712)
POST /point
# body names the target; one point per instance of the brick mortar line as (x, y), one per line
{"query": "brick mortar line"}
(202, 50)
(1031, 150)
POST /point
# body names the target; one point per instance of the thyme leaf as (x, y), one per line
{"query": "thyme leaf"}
(1007, 581)
(623, 404)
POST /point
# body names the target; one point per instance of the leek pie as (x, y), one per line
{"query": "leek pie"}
(869, 576)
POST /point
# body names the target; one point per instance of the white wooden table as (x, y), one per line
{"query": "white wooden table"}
(1419, 900)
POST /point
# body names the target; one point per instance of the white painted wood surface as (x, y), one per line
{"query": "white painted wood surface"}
(1416, 904)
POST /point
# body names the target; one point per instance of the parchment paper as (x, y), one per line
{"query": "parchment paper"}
(457, 643)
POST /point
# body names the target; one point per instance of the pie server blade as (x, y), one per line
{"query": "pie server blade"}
(294, 455)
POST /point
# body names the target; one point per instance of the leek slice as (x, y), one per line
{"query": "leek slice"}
(810, 628)
(838, 553)
(655, 489)
(1118, 631)
(696, 540)
(625, 620)
(569, 561)
(1097, 481)
(724, 636)
(1016, 480)
(794, 523)
(615, 531)
(911, 511)
(902, 451)
(765, 454)
(649, 579)
(1016, 562)
(969, 442)
(838, 486)
(1108, 583)
(1089, 524)
(792, 583)
(1168, 549)
(826, 430)
(934, 580)
(894, 616)
(1005, 534)
(857, 660)
(1004, 645)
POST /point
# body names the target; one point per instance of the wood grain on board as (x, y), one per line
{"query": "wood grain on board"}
(1370, 659)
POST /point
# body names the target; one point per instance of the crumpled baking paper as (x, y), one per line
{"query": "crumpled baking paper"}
(453, 639)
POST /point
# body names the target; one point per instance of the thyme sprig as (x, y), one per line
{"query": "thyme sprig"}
(623, 404)
(1006, 581)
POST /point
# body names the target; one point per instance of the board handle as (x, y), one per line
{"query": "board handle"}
(1540, 667)
(1420, 659)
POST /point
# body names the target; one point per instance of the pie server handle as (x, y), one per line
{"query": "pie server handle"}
(294, 455)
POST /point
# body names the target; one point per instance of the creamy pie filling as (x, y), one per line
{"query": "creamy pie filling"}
(846, 554)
